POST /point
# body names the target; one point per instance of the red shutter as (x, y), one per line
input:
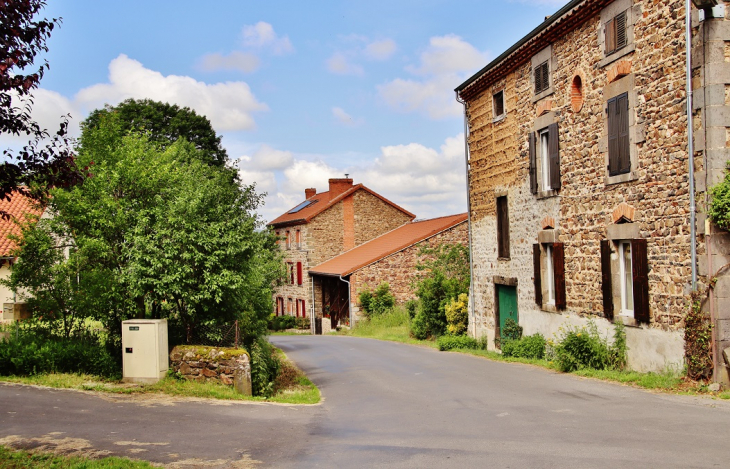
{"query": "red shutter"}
(533, 162)
(640, 277)
(559, 272)
(554, 156)
(299, 273)
(537, 273)
(606, 279)
(304, 309)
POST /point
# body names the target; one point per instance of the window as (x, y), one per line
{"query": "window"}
(627, 283)
(619, 150)
(544, 159)
(498, 104)
(299, 273)
(542, 77)
(627, 292)
(290, 272)
(299, 239)
(616, 34)
(301, 309)
(288, 239)
(549, 271)
(290, 310)
(279, 306)
(502, 228)
(550, 277)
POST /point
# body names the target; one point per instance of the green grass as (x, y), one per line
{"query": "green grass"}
(19, 459)
(394, 326)
(297, 390)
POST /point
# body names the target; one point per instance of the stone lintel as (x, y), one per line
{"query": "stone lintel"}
(623, 231)
(548, 236)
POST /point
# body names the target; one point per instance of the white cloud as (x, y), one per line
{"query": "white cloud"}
(344, 118)
(262, 35)
(444, 64)
(380, 50)
(267, 158)
(341, 65)
(241, 61)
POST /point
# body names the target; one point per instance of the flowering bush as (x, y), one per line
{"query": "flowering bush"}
(457, 315)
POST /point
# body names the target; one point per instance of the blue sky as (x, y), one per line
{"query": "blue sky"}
(300, 91)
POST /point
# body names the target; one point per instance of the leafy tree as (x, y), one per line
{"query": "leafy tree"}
(164, 124)
(377, 302)
(46, 161)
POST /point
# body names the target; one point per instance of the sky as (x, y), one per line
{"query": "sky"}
(300, 91)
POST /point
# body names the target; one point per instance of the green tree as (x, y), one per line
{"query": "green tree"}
(164, 124)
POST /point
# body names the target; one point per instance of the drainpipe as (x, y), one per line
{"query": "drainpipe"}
(468, 214)
(349, 302)
(312, 314)
(690, 143)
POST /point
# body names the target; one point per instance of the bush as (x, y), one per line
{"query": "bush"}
(585, 348)
(30, 351)
(265, 367)
(457, 315)
(280, 323)
(303, 323)
(532, 346)
(419, 327)
(377, 302)
(412, 308)
(451, 342)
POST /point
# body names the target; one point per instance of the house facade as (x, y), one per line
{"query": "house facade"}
(391, 257)
(579, 181)
(323, 226)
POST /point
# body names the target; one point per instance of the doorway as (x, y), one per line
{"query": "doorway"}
(506, 306)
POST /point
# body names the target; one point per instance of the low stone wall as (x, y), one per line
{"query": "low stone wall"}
(229, 366)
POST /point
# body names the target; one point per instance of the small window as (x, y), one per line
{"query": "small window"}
(290, 311)
(627, 283)
(288, 239)
(544, 160)
(290, 272)
(498, 104)
(619, 149)
(542, 77)
(502, 228)
(616, 36)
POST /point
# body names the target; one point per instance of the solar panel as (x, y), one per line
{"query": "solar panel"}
(299, 207)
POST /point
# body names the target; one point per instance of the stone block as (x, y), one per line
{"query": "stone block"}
(716, 73)
(623, 231)
(700, 181)
(242, 382)
(723, 330)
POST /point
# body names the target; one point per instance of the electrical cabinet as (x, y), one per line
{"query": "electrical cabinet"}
(144, 350)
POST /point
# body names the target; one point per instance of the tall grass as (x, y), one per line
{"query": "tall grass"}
(393, 325)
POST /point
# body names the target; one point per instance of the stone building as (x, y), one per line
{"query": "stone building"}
(579, 180)
(323, 226)
(391, 257)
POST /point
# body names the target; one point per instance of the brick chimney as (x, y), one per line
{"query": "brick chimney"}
(309, 193)
(338, 186)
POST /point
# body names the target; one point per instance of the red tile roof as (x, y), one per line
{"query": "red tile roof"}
(18, 207)
(321, 202)
(387, 244)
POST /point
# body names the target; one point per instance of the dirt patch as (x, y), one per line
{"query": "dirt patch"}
(54, 443)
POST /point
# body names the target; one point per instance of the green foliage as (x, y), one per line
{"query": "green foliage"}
(21, 459)
(511, 330)
(531, 347)
(303, 323)
(457, 314)
(280, 323)
(412, 308)
(446, 276)
(31, 349)
(265, 367)
(584, 348)
(451, 342)
(697, 343)
(719, 208)
(377, 302)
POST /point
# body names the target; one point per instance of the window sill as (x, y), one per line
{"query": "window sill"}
(549, 309)
(499, 118)
(546, 194)
(628, 321)
(616, 55)
(503, 259)
(618, 179)
(543, 94)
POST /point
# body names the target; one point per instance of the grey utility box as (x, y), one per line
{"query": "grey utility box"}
(144, 350)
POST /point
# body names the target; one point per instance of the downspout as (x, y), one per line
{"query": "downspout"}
(312, 314)
(468, 214)
(690, 143)
(349, 302)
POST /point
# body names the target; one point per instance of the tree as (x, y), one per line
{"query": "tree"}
(46, 161)
(164, 124)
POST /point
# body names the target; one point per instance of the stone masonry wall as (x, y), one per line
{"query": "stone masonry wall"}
(373, 217)
(582, 209)
(220, 365)
(296, 253)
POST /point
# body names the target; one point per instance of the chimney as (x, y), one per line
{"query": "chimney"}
(309, 193)
(338, 186)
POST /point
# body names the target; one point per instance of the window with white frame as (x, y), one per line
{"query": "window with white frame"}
(550, 277)
(627, 283)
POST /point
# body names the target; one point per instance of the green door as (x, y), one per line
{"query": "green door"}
(507, 301)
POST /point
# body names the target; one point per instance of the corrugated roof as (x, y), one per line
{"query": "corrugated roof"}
(322, 202)
(387, 244)
(18, 207)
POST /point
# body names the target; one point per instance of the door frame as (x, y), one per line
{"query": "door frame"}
(508, 282)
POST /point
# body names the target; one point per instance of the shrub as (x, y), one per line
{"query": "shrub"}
(412, 308)
(585, 348)
(280, 323)
(719, 209)
(457, 315)
(531, 346)
(377, 302)
(419, 327)
(451, 342)
(265, 367)
(697, 343)
(303, 323)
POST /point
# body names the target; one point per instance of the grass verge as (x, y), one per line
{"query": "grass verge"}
(292, 386)
(394, 326)
(20, 459)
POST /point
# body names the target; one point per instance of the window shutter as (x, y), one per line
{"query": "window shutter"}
(622, 112)
(610, 37)
(606, 279)
(502, 228)
(613, 147)
(533, 162)
(304, 308)
(545, 76)
(537, 273)
(640, 274)
(538, 79)
(559, 272)
(299, 273)
(621, 36)
(554, 155)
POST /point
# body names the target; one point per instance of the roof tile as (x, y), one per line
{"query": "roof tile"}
(18, 207)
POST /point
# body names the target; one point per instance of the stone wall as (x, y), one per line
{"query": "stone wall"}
(227, 366)
(657, 189)
(374, 217)
(296, 253)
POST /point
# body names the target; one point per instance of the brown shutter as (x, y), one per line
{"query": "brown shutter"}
(533, 162)
(554, 156)
(610, 37)
(606, 279)
(559, 272)
(502, 228)
(621, 33)
(622, 112)
(545, 76)
(537, 273)
(538, 79)
(299, 273)
(640, 274)
(613, 148)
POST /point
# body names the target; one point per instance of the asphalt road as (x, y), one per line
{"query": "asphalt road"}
(389, 405)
